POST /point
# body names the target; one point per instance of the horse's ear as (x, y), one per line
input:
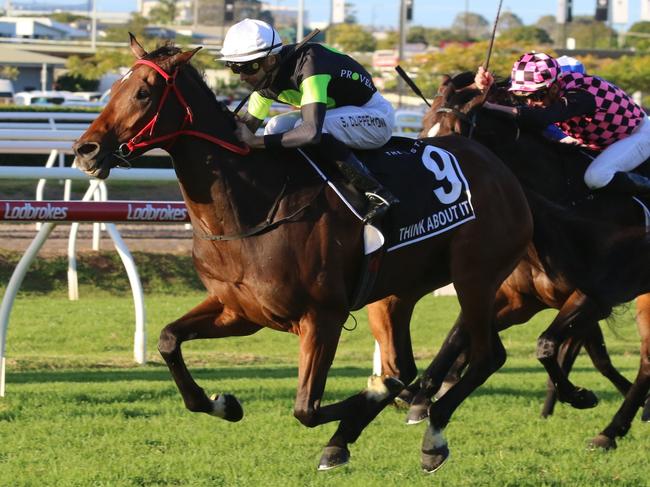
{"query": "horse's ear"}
(445, 79)
(138, 50)
(184, 57)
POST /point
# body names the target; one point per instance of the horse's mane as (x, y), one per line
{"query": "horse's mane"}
(165, 51)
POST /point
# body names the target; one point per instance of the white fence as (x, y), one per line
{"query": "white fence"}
(139, 348)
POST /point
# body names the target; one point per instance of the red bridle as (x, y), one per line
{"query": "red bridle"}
(144, 138)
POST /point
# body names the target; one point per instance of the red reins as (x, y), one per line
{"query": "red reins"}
(144, 138)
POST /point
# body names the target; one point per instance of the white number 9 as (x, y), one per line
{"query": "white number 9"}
(447, 172)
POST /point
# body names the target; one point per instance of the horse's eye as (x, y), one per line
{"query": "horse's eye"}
(142, 94)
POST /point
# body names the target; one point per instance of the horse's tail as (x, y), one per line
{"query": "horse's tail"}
(606, 261)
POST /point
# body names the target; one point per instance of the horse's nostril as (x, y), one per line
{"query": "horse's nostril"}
(87, 149)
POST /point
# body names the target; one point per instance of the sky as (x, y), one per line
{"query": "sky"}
(431, 13)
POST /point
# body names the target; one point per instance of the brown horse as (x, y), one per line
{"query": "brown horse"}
(555, 171)
(276, 247)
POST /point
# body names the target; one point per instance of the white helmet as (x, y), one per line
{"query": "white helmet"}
(250, 39)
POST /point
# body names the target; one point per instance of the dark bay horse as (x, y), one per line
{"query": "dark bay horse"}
(276, 247)
(555, 170)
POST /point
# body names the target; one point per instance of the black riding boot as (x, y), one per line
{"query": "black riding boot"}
(629, 183)
(379, 198)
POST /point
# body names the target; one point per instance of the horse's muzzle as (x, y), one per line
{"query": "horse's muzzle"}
(89, 159)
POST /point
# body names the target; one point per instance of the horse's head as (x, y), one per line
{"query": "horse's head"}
(145, 104)
(457, 108)
(452, 108)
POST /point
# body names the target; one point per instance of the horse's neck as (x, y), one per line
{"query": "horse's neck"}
(228, 194)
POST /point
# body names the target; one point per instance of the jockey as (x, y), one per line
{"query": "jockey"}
(338, 103)
(596, 113)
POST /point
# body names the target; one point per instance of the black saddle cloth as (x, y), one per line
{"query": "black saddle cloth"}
(429, 182)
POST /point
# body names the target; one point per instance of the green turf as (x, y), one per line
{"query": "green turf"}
(78, 412)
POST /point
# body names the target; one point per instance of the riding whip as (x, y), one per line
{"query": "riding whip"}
(411, 84)
(261, 82)
(494, 32)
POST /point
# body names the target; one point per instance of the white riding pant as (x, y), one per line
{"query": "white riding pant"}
(365, 127)
(622, 156)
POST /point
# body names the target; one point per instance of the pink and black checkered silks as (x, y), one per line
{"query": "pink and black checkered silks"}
(534, 71)
(616, 114)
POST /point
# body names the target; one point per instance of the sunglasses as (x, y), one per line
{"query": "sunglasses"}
(538, 95)
(248, 68)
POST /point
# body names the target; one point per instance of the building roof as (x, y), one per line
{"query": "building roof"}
(28, 25)
(18, 57)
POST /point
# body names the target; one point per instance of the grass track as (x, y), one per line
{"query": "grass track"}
(78, 413)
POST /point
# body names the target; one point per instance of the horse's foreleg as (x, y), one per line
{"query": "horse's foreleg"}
(637, 394)
(575, 317)
(208, 320)
(569, 351)
(319, 338)
(389, 322)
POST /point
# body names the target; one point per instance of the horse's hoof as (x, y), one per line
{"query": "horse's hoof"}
(602, 442)
(226, 406)
(583, 399)
(333, 457)
(433, 459)
(417, 413)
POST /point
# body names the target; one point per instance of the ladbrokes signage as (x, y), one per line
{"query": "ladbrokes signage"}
(26, 211)
(156, 213)
(131, 211)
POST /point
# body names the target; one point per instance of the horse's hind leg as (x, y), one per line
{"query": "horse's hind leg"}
(576, 316)
(512, 307)
(433, 377)
(389, 321)
(208, 320)
(486, 355)
(635, 397)
(597, 350)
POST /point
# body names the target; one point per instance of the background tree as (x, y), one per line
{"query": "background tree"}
(471, 26)
(456, 58)
(9, 72)
(528, 34)
(591, 34)
(136, 25)
(65, 17)
(266, 16)
(390, 41)
(164, 12)
(288, 34)
(508, 20)
(639, 42)
(631, 73)
(418, 34)
(350, 13)
(350, 38)
(548, 23)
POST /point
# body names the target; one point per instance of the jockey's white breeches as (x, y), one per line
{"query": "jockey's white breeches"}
(622, 156)
(365, 127)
